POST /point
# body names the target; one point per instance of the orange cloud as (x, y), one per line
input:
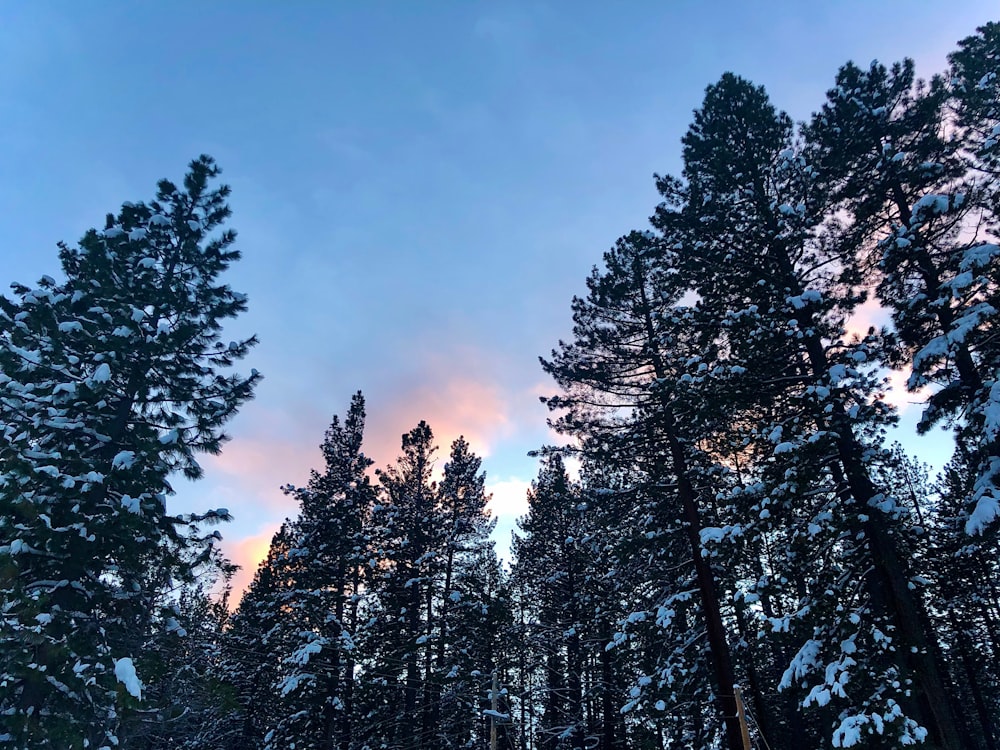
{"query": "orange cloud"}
(248, 553)
(259, 467)
(452, 407)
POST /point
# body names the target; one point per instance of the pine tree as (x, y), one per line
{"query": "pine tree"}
(920, 197)
(757, 250)
(433, 601)
(630, 378)
(110, 381)
(330, 553)
(571, 687)
(408, 532)
(470, 612)
(189, 705)
(257, 640)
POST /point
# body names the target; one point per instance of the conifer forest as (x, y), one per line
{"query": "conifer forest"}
(727, 550)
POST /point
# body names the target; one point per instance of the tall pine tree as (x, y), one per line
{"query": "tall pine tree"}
(109, 381)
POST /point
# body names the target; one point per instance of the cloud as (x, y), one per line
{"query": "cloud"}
(510, 497)
(897, 394)
(457, 393)
(869, 315)
(248, 552)
(258, 467)
(457, 405)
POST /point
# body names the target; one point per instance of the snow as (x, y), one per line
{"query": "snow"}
(931, 203)
(123, 460)
(848, 734)
(131, 504)
(979, 256)
(292, 682)
(802, 664)
(809, 296)
(985, 492)
(712, 534)
(302, 655)
(102, 374)
(125, 672)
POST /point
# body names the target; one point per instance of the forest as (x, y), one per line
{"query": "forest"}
(727, 551)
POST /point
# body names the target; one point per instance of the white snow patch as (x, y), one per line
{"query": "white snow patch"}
(102, 374)
(123, 460)
(125, 672)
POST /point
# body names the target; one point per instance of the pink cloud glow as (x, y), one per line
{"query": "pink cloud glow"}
(478, 410)
(870, 314)
(248, 553)
(252, 468)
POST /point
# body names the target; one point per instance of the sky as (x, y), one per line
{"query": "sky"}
(419, 186)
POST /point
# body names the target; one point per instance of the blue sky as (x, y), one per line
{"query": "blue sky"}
(419, 187)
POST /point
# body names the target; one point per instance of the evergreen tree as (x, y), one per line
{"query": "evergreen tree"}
(434, 603)
(964, 581)
(549, 571)
(189, 705)
(631, 377)
(110, 381)
(757, 249)
(330, 553)
(258, 639)
(920, 198)
(408, 537)
(571, 687)
(470, 611)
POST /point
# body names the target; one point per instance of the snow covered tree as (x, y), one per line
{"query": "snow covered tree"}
(330, 553)
(408, 533)
(433, 601)
(758, 250)
(920, 197)
(570, 686)
(549, 571)
(188, 704)
(258, 639)
(962, 581)
(471, 613)
(630, 379)
(109, 381)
